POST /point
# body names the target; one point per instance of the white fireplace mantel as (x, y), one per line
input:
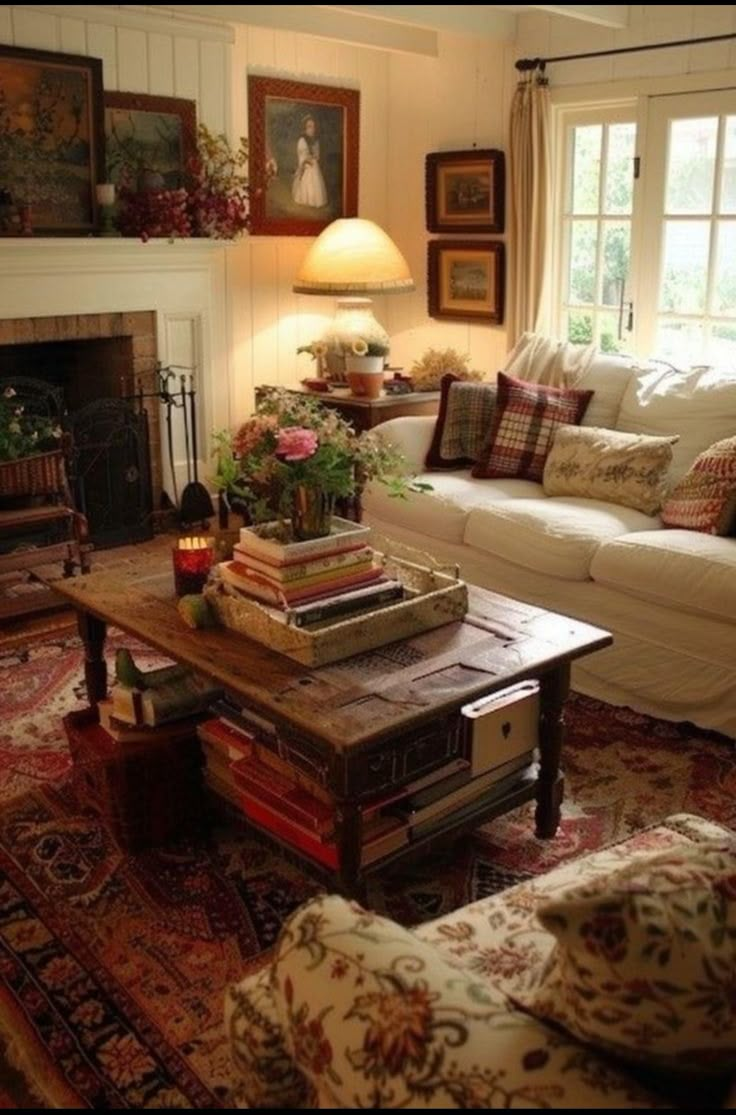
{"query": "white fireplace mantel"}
(183, 281)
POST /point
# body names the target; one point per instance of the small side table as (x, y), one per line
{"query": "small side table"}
(367, 413)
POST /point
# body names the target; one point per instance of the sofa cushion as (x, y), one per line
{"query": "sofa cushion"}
(607, 376)
(644, 960)
(524, 422)
(705, 497)
(556, 536)
(442, 513)
(609, 465)
(699, 405)
(463, 423)
(680, 568)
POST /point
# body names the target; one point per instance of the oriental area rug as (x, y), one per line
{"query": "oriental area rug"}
(113, 967)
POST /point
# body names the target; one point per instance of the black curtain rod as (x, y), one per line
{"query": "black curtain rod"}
(525, 64)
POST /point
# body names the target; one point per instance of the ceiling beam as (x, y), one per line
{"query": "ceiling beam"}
(479, 19)
(605, 15)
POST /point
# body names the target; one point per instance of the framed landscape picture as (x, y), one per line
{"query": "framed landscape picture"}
(51, 137)
(303, 143)
(149, 140)
(465, 191)
(466, 280)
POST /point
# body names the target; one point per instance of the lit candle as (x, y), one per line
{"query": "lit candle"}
(193, 558)
(105, 193)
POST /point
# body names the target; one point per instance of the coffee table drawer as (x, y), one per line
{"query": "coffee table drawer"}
(405, 758)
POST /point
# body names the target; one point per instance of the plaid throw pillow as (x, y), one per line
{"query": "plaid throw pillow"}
(524, 423)
(705, 498)
(463, 423)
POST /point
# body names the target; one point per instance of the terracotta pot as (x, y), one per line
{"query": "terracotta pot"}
(365, 375)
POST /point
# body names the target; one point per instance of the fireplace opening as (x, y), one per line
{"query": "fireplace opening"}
(97, 365)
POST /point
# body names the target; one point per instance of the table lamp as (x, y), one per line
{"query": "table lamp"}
(352, 258)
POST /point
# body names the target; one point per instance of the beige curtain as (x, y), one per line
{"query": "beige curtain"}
(529, 208)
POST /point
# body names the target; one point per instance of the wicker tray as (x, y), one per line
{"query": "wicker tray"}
(437, 598)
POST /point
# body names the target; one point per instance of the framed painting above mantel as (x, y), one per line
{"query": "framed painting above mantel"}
(465, 191)
(149, 139)
(51, 138)
(304, 154)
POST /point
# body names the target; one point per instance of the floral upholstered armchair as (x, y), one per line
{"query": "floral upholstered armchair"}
(355, 1011)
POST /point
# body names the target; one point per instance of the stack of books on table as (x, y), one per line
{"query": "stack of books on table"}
(283, 799)
(322, 580)
(168, 703)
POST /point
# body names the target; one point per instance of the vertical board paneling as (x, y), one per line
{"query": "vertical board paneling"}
(35, 29)
(212, 85)
(186, 68)
(132, 60)
(102, 43)
(161, 65)
(264, 301)
(72, 35)
(6, 24)
(261, 46)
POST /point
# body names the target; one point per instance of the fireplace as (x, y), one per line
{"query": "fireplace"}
(99, 364)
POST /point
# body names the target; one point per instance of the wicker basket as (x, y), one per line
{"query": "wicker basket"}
(33, 476)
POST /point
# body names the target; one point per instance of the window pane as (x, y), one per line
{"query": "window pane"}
(725, 292)
(680, 342)
(616, 250)
(620, 168)
(723, 345)
(608, 334)
(728, 182)
(583, 243)
(586, 168)
(579, 328)
(691, 162)
(685, 271)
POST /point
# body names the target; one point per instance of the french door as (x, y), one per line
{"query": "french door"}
(685, 299)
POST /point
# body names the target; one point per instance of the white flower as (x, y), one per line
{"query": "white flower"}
(14, 427)
(34, 435)
(9, 392)
(359, 347)
(56, 432)
(319, 348)
(18, 411)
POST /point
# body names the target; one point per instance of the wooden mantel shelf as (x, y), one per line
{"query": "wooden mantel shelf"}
(103, 255)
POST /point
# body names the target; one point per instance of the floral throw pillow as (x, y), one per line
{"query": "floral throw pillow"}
(524, 423)
(705, 497)
(645, 961)
(628, 469)
(463, 423)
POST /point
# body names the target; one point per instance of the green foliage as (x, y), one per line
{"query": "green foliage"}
(23, 434)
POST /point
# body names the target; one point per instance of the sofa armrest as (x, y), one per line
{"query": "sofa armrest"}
(412, 436)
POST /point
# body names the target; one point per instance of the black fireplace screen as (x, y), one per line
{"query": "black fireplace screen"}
(111, 471)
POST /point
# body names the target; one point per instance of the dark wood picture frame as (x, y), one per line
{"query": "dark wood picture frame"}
(274, 136)
(472, 208)
(85, 128)
(490, 308)
(185, 110)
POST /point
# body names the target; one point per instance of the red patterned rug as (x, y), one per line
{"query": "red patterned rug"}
(113, 967)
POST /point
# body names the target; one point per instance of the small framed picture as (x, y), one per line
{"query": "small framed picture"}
(465, 191)
(304, 154)
(149, 140)
(466, 280)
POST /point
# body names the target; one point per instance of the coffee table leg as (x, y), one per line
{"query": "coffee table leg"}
(555, 687)
(92, 632)
(349, 832)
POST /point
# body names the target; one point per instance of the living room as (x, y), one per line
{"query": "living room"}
(367, 554)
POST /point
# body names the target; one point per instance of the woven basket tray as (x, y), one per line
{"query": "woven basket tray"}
(34, 475)
(437, 598)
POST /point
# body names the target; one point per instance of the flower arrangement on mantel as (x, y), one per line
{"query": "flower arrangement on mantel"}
(291, 447)
(23, 434)
(426, 373)
(213, 203)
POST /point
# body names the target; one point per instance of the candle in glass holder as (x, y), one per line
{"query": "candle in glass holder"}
(193, 559)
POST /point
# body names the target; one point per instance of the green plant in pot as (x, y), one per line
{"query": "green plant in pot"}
(293, 459)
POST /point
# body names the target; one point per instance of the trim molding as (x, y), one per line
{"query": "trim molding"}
(163, 20)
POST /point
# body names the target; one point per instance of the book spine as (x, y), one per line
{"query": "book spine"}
(175, 701)
(305, 842)
(346, 604)
(283, 795)
(492, 793)
(281, 766)
(296, 571)
(259, 586)
(241, 568)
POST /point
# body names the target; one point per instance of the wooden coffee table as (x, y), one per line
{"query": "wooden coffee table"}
(365, 726)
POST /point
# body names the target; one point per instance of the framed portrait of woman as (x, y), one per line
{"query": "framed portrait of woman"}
(303, 143)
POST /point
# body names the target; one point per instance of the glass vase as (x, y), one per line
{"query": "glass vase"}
(311, 513)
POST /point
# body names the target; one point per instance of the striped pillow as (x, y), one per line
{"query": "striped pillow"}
(705, 497)
(463, 423)
(524, 423)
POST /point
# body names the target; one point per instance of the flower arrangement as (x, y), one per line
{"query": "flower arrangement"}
(213, 203)
(22, 434)
(316, 349)
(427, 372)
(291, 444)
(362, 347)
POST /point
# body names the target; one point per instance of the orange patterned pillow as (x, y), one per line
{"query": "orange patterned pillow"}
(705, 498)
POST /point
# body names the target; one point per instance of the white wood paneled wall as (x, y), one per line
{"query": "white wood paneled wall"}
(456, 101)
(141, 52)
(268, 320)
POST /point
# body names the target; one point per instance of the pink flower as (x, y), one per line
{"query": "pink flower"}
(296, 443)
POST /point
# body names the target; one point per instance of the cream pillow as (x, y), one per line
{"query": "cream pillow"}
(629, 469)
(645, 960)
